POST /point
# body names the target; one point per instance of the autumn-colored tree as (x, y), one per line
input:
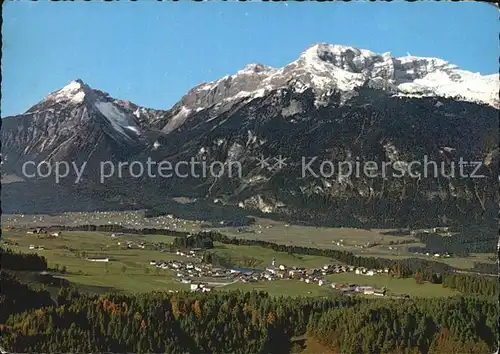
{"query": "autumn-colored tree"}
(271, 318)
(197, 309)
(175, 308)
(444, 343)
(418, 278)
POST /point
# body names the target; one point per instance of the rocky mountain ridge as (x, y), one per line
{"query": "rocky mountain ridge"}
(335, 103)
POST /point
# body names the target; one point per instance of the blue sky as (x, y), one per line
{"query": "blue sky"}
(153, 52)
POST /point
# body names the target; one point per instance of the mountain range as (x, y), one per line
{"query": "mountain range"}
(336, 103)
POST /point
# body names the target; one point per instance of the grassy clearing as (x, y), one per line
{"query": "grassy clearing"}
(286, 287)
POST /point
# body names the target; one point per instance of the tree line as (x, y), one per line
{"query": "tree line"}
(199, 240)
(21, 261)
(461, 244)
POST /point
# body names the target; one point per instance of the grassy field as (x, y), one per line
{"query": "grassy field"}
(285, 287)
(126, 271)
(262, 257)
(309, 236)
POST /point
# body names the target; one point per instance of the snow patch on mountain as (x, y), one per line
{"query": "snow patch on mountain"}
(118, 119)
(459, 84)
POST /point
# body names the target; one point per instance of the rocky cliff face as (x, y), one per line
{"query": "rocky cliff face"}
(334, 103)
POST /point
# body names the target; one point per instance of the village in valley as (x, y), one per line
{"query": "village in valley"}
(120, 260)
(191, 269)
(205, 277)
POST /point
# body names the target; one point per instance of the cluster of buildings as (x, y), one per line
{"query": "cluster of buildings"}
(197, 273)
(200, 287)
(42, 231)
(127, 243)
(132, 244)
(314, 274)
(186, 270)
(359, 289)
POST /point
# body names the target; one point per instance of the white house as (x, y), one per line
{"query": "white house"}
(271, 270)
(98, 259)
(152, 263)
(370, 273)
(321, 282)
(32, 247)
(56, 234)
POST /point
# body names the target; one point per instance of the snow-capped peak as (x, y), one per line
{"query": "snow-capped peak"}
(74, 92)
(327, 68)
(118, 114)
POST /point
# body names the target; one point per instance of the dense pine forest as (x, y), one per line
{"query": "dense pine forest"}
(251, 322)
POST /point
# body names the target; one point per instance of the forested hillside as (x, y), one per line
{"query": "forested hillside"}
(252, 323)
